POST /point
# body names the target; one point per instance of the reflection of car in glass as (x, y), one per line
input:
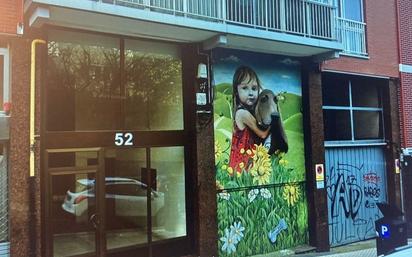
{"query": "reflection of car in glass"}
(129, 197)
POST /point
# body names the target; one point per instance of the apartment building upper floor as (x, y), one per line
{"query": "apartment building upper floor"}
(362, 31)
(300, 28)
(379, 55)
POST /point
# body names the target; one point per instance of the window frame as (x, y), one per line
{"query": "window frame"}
(6, 78)
(352, 109)
(342, 10)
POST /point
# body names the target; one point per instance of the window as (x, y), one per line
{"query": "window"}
(351, 9)
(4, 79)
(95, 84)
(351, 28)
(352, 109)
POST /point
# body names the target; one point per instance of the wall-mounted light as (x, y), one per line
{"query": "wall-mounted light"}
(202, 71)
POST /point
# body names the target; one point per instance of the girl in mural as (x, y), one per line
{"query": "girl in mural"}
(246, 133)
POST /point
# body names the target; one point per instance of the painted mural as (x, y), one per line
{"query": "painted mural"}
(259, 153)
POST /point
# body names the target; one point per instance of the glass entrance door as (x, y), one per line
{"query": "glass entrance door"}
(127, 98)
(145, 198)
(72, 206)
(116, 201)
(126, 213)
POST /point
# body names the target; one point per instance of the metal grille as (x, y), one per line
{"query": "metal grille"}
(4, 209)
(353, 36)
(356, 182)
(309, 18)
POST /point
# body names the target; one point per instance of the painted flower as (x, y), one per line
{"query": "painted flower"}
(237, 230)
(249, 152)
(219, 186)
(230, 171)
(262, 167)
(224, 196)
(265, 193)
(241, 165)
(229, 242)
(218, 151)
(242, 150)
(253, 194)
(291, 194)
(283, 162)
(260, 152)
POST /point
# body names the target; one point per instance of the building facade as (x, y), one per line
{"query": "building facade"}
(404, 33)
(147, 122)
(11, 29)
(360, 90)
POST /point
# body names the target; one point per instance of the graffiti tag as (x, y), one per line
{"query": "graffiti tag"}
(371, 177)
(349, 192)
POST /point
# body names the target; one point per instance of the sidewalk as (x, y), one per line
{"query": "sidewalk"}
(359, 249)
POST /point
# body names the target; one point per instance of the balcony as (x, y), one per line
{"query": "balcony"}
(292, 27)
(352, 34)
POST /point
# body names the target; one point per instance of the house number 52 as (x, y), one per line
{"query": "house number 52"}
(121, 139)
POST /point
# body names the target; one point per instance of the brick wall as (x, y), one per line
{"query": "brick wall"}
(10, 15)
(405, 37)
(381, 26)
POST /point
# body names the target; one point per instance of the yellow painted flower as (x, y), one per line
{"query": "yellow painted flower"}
(218, 185)
(249, 152)
(230, 171)
(242, 151)
(241, 165)
(238, 174)
(283, 162)
(261, 168)
(260, 152)
(291, 194)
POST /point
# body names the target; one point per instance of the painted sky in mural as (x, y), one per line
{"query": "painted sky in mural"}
(279, 74)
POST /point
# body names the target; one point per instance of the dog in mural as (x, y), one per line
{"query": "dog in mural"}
(267, 115)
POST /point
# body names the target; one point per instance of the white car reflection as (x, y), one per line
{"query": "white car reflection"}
(128, 195)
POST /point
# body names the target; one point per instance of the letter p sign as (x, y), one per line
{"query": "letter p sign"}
(385, 231)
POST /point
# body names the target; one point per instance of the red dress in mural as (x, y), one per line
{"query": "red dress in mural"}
(242, 141)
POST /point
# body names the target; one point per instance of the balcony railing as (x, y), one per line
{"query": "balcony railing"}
(309, 18)
(353, 36)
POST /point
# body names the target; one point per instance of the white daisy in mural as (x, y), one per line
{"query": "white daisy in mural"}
(224, 196)
(237, 230)
(265, 193)
(253, 194)
(229, 242)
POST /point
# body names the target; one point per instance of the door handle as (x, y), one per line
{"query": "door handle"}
(94, 220)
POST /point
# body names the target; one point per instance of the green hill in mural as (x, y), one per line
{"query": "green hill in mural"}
(223, 137)
(223, 105)
(291, 105)
(295, 156)
(294, 123)
(224, 88)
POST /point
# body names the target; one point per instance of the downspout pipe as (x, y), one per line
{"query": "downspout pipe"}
(33, 102)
